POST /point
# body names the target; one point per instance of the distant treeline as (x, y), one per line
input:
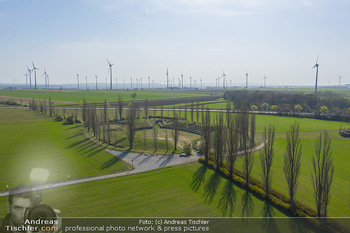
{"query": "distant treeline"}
(337, 107)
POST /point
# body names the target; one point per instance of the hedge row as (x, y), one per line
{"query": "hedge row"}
(276, 198)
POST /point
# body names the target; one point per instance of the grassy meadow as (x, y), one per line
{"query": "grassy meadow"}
(181, 191)
(93, 96)
(29, 140)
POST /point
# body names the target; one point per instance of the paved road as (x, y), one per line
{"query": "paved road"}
(140, 163)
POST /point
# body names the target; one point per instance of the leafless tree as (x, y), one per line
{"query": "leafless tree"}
(138, 111)
(105, 111)
(197, 112)
(266, 158)
(219, 140)
(291, 165)
(232, 144)
(252, 130)
(155, 136)
(84, 111)
(120, 107)
(131, 124)
(206, 133)
(108, 131)
(45, 109)
(50, 107)
(185, 107)
(166, 141)
(176, 131)
(144, 140)
(146, 108)
(322, 175)
(228, 113)
(192, 110)
(161, 112)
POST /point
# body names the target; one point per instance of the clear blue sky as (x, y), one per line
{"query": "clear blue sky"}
(199, 38)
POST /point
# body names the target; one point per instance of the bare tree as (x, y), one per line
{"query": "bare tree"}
(84, 111)
(108, 131)
(206, 133)
(166, 141)
(131, 124)
(155, 136)
(323, 171)
(45, 109)
(266, 158)
(144, 140)
(291, 165)
(176, 131)
(185, 107)
(161, 112)
(219, 141)
(146, 108)
(50, 107)
(232, 145)
(228, 113)
(252, 130)
(105, 111)
(192, 110)
(248, 161)
(120, 107)
(197, 112)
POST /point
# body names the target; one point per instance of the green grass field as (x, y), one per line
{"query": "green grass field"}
(37, 133)
(94, 96)
(168, 192)
(310, 129)
(29, 140)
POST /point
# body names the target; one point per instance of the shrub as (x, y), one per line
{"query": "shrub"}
(187, 148)
(69, 120)
(58, 117)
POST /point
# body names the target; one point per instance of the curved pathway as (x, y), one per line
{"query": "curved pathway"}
(140, 163)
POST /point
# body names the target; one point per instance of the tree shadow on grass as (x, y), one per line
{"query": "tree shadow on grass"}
(298, 225)
(228, 199)
(95, 151)
(74, 144)
(110, 163)
(247, 204)
(88, 146)
(198, 178)
(269, 223)
(73, 127)
(211, 187)
(75, 135)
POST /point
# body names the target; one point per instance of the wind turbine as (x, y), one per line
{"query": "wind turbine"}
(182, 80)
(110, 73)
(190, 82)
(26, 74)
(30, 77)
(223, 79)
(78, 80)
(339, 79)
(149, 82)
(316, 65)
(96, 82)
(246, 80)
(35, 68)
(45, 74)
(167, 78)
(264, 81)
(86, 83)
(131, 83)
